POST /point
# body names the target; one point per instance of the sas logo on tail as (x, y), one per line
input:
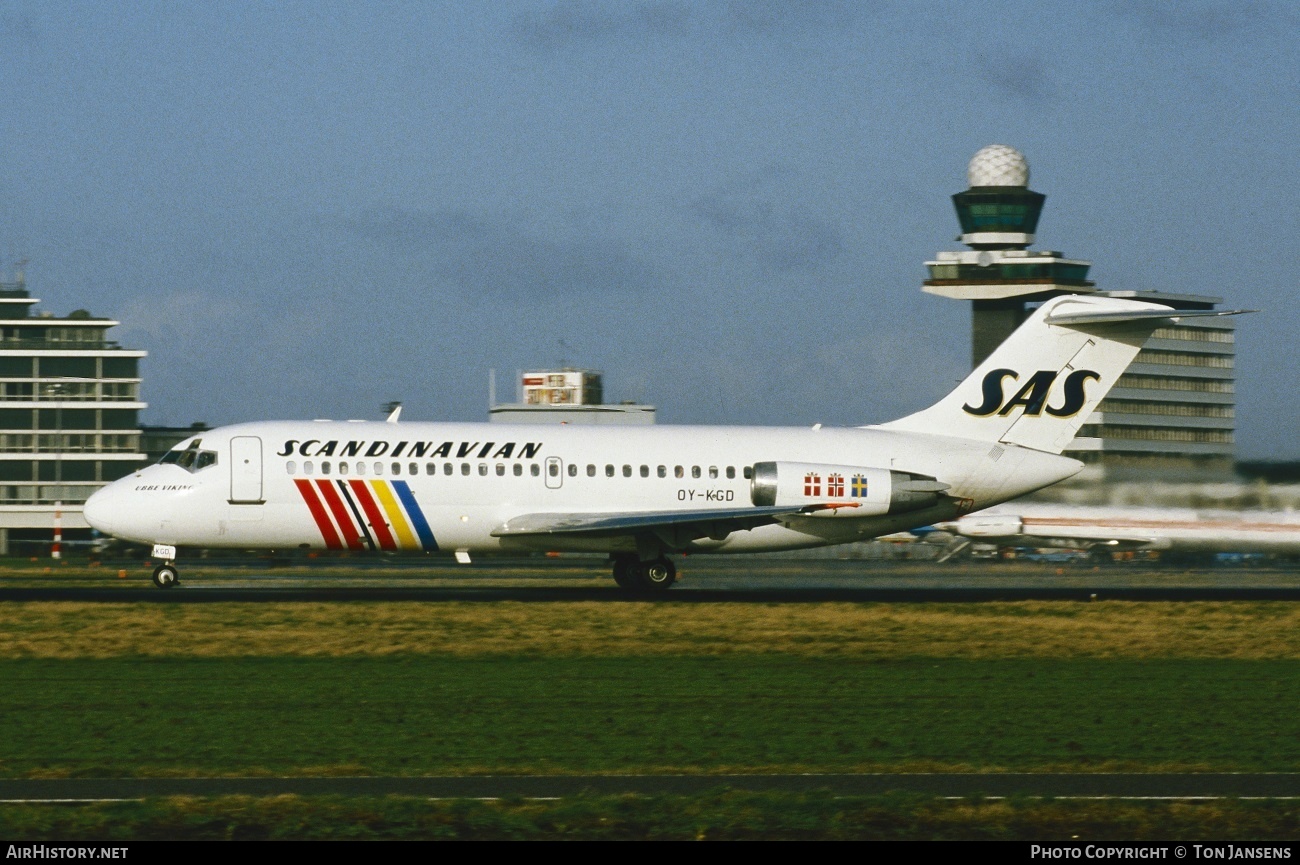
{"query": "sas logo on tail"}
(1033, 394)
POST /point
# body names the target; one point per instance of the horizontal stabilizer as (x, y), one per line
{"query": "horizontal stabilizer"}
(1067, 318)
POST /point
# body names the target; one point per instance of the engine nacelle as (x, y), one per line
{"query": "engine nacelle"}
(990, 525)
(842, 491)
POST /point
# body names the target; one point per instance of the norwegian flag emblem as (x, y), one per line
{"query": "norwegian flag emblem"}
(812, 485)
(835, 485)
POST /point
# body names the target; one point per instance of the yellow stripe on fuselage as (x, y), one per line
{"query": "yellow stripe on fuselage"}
(405, 537)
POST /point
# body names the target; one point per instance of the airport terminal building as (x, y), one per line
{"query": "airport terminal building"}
(1171, 416)
(69, 418)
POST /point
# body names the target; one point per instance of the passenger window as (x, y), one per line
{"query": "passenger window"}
(379, 468)
(573, 470)
(291, 467)
(748, 471)
(662, 471)
(307, 468)
(482, 469)
(731, 472)
(397, 468)
(325, 467)
(501, 470)
(609, 470)
(645, 471)
(591, 470)
(519, 469)
(678, 472)
(627, 471)
(447, 468)
(430, 468)
(695, 471)
(464, 469)
(361, 468)
(713, 471)
(415, 468)
(343, 468)
(553, 469)
(534, 470)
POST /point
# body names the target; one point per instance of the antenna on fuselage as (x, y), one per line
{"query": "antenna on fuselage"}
(394, 410)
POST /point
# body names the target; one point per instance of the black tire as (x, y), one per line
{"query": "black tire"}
(165, 576)
(625, 574)
(658, 576)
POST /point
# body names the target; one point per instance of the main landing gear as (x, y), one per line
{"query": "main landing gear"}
(644, 578)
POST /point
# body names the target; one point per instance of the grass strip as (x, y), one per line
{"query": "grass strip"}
(717, 815)
(1236, 630)
(427, 715)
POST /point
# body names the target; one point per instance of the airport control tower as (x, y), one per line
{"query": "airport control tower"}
(999, 274)
(1171, 415)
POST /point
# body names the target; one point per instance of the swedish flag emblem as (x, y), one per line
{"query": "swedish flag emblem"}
(859, 486)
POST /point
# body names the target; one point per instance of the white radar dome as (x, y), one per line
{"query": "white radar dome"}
(998, 165)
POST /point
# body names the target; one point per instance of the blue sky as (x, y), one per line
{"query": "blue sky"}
(309, 209)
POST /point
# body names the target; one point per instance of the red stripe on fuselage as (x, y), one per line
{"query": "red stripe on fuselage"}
(374, 514)
(341, 515)
(318, 514)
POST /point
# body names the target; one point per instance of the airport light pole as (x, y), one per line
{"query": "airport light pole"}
(56, 389)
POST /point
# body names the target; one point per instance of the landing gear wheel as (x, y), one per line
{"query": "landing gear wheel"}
(658, 575)
(644, 578)
(164, 576)
(625, 574)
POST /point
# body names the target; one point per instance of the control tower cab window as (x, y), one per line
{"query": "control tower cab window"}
(192, 458)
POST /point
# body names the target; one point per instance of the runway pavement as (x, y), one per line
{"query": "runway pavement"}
(199, 595)
(1086, 785)
(703, 579)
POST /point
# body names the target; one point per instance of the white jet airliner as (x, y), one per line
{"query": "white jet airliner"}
(639, 493)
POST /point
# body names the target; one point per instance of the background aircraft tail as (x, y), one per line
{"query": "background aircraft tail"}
(1043, 382)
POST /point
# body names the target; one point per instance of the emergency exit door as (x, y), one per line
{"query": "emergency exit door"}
(246, 470)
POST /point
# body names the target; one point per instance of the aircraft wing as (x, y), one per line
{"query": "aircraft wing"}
(680, 526)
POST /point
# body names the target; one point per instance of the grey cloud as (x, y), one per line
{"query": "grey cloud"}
(574, 21)
(1181, 21)
(484, 256)
(18, 29)
(772, 16)
(1020, 74)
(783, 241)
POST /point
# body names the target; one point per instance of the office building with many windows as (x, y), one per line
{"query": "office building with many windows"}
(69, 418)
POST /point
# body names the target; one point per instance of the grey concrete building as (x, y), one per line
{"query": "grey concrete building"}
(69, 418)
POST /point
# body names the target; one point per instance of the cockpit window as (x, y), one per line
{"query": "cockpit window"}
(191, 458)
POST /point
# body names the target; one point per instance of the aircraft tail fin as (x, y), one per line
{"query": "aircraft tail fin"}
(1038, 387)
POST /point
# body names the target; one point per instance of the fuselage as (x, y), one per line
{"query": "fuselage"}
(425, 487)
(1132, 528)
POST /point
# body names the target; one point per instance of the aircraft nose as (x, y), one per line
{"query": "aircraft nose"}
(101, 507)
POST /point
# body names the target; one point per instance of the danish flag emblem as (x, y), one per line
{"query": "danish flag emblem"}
(812, 485)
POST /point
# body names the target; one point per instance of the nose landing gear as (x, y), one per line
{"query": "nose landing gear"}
(644, 578)
(165, 576)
